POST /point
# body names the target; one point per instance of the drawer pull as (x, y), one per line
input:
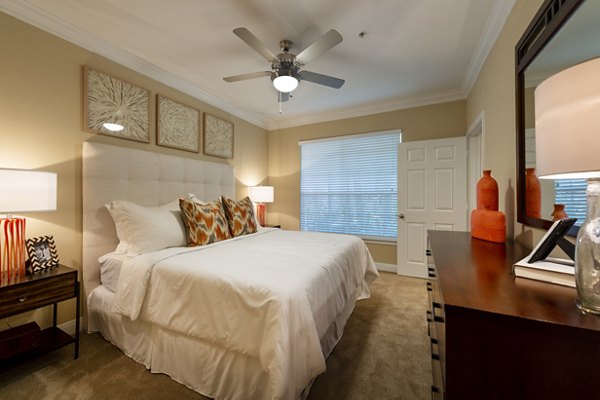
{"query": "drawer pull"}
(434, 389)
(433, 341)
(431, 272)
(435, 304)
(429, 316)
(427, 252)
(435, 356)
(429, 287)
(438, 319)
(22, 299)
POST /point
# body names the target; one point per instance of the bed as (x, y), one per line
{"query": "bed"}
(253, 316)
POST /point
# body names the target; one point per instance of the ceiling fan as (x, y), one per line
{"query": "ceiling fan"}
(286, 67)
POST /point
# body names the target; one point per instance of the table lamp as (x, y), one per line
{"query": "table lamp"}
(567, 121)
(261, 195)
(21, 191)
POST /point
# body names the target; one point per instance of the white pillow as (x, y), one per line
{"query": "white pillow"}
(148, 229)
(120, 226)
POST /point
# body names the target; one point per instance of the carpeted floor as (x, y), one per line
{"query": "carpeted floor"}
(384, 354)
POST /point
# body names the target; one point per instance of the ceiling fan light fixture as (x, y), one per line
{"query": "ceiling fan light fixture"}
(285, 83)
(113, 127)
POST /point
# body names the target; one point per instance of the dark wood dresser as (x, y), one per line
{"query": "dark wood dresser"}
(494, 336)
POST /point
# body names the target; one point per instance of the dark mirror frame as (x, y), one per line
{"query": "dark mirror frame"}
(549, 19)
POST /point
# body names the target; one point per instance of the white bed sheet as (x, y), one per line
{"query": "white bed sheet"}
(287, 289)
(110, 269)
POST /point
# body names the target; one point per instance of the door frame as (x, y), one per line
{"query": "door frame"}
(475, 161)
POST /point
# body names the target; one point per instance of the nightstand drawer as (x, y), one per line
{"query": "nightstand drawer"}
(36, 293)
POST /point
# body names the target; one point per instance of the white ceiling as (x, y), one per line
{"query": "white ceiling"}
(414, 52)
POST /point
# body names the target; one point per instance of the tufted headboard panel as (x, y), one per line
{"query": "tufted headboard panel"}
(143, 177)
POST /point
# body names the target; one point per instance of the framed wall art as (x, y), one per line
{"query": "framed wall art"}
(115, 107)
(177, 125)
(42, 254)
(218, 137)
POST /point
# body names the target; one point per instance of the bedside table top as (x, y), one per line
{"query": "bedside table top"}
(52, 272)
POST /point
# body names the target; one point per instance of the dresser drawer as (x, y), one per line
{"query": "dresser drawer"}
(37, 293)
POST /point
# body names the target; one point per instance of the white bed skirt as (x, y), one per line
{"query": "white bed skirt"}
(206, 368)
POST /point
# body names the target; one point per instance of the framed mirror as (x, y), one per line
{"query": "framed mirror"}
(562, 34)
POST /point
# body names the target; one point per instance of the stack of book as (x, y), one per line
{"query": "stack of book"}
(539, 266)
(557, 271)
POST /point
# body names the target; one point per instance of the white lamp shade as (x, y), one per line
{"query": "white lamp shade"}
(23, 191)
(567, 122)
(261, 194)
(285, 83)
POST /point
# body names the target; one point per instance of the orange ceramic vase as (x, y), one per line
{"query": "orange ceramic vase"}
(487, 192)
(559, 212)
(533, 194)
(487, 223)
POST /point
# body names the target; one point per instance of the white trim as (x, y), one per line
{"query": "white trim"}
(413, 272)
(39, 18)
(478, 127)
(493, 27)
(369, 109)
(474, 171)
(69, 326)
(384, 242)
(393, 268)
(351, 136)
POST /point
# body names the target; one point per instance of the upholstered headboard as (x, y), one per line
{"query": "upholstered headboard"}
(146, 178)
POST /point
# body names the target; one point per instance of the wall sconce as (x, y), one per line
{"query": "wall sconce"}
(21, 191)
(567, 120)
(261, 195)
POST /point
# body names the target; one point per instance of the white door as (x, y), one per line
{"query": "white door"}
(432, 194)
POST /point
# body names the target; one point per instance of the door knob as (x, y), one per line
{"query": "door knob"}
(401, 216)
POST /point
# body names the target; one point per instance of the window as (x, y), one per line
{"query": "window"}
(572, 193)
(350, 185)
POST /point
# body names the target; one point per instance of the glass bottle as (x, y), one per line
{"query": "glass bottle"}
(587, 253)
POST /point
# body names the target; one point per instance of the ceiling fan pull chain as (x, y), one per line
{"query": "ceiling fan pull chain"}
(279, 95)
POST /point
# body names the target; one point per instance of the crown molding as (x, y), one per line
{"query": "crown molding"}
(373, 108)
(495, 22)
(41, 19)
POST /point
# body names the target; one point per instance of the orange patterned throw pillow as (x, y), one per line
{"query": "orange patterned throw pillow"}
(240, 216)
(204, 222)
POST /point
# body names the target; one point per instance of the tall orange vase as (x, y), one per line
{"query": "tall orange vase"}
(487, 192)
(533, 194)
(487, 223)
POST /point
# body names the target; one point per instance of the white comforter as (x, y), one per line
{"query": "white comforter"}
(270, 295)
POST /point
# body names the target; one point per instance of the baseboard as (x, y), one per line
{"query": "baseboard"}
(69, 326)
(414, 271)
(386, 267)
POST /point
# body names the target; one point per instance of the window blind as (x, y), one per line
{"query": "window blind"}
(350, 185)
(572, 193)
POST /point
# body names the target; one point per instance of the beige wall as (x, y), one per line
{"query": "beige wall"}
(420, 123)
(41, 128)
(494, 94)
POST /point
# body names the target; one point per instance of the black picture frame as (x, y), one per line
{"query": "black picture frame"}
(552, 238)
(42, 254)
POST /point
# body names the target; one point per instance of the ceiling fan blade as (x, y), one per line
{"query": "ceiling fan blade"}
(330, 39)
(322, 79)
(256, 44)
(243, 77)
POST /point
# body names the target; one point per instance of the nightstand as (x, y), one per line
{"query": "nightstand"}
(29, 292)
